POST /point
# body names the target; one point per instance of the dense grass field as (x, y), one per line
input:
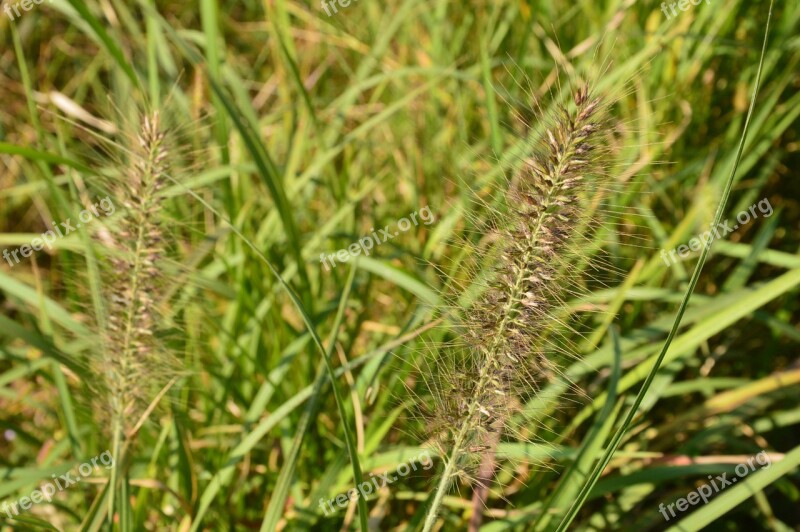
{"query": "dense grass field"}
(235, 325)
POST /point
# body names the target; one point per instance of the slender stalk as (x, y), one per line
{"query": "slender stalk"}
(444, 482)
(616, 439)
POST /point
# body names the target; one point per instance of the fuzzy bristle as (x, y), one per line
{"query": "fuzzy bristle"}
(132, 281)
(507, 355)
(506, 324)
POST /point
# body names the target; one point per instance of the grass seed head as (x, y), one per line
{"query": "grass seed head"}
(511, 328)
(134, 361)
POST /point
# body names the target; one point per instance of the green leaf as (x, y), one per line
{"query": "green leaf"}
(617, 438)
(733, 496)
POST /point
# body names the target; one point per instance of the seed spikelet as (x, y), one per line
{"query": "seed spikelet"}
(508, 354)
(136, 244)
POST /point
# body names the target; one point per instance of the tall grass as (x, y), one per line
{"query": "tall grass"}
(324, 129)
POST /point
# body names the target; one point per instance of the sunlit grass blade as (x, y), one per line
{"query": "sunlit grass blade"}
(312, 330)
(733, 496)
(281, 492)
(110, 44)
(575, 476)
(617, 438)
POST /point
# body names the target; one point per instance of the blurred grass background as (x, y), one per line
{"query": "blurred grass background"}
(306, 131)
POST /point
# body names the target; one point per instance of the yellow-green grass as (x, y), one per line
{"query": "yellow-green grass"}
(305, 131)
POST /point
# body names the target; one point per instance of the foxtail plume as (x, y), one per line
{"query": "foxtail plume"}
(508, 356)
(131, 282)
(133, 362)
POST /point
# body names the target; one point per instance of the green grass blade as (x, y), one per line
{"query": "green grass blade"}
(281, 492)
(312, 330)
(735, 495)
(209, 16)
(615, 441)
(36, 155)
(110, 44)
(575, 476)
(266, 167)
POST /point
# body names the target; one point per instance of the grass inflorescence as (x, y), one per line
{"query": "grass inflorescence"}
(132, 280)
(134, 362)
(325, 127)
(510, 353)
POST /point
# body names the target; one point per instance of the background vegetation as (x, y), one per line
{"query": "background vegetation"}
(305, 131)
